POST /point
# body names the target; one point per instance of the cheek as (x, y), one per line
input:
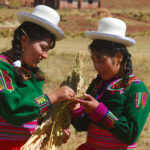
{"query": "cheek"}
(34, 51)
(98, 66)
(114, 67)
(110, 65)
(30, 53)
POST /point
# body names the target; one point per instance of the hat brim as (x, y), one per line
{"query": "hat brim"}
(110, 37)
(25, 16)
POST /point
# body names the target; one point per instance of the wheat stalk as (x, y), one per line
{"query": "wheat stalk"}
(49, 135)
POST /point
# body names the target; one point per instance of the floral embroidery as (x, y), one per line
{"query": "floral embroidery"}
(117, 86)
(121, 92)
(109, 120)
(141, 99)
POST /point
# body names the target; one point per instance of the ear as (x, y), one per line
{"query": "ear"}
(119, 57)
(23, 41)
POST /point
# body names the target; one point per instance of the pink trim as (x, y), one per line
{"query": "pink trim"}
(7, 59)
(78, 113)
(99, 113)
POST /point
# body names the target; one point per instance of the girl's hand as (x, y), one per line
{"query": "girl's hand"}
(74, 106)
(89, 103)
(63, 93)
(66, 136)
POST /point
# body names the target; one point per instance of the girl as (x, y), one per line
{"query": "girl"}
(22, 99)
(117, 103)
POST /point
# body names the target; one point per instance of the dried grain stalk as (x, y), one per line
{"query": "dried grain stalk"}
(49, 135)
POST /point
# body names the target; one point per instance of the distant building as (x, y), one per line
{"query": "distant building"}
(4, 2)
(38, 2)
(52, 3)
(56, 4)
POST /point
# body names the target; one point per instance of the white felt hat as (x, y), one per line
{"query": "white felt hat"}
(111, 29)
(45, 17)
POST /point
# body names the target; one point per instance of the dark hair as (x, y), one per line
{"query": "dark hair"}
(35, 33)
(110, 48)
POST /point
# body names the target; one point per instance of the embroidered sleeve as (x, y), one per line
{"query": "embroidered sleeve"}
(20, 103)
(43, 102)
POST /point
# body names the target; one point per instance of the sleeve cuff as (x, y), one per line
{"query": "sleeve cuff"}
(99, 113)
(109, 120)
(43, 103)
(78, 113)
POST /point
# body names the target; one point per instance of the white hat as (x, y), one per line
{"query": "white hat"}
(44, 16)
(111, 29)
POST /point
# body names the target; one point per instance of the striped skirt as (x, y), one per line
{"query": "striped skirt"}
(13, 137)
(101, 139)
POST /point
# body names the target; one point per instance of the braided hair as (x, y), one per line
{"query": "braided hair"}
(35, 33)
(110, 48)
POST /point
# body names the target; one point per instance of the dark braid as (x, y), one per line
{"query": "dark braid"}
(16, 44)
(126, 65)
(110, 48)
(17, 50)
(34, 33)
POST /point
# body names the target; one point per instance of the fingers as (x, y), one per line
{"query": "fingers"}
(67, 134)
(89, 97)
(86, 99)
(69, 92)
(73, 106)
(79, 97)
(80, 101)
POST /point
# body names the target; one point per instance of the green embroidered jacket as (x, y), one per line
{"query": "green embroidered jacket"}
(122, 111)
(20, 102)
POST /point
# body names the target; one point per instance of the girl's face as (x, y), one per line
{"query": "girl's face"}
(107, 67)
(34, 52)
